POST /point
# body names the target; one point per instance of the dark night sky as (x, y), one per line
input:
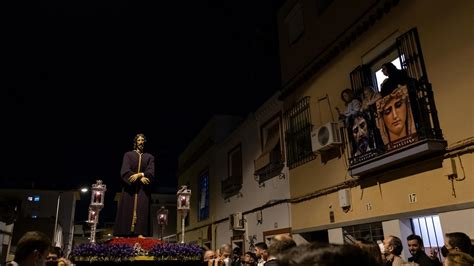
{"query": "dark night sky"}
(83, 78)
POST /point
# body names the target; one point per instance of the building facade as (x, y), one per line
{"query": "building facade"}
(38, 210)
(344, 186)
(195, 166)
(244, 181)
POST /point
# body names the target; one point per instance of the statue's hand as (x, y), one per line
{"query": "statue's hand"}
(134, 177)
(145, 180)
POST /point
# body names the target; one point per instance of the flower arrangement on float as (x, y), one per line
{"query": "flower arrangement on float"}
(131, 249)
(175, 251)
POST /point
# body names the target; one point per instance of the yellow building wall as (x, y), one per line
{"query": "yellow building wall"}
(446, 35)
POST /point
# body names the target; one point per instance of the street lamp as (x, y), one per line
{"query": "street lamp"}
(184, 196)
(162, 216)
(97, 203)
(58, 203)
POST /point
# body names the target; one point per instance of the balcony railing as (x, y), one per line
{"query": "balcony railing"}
(231, 186)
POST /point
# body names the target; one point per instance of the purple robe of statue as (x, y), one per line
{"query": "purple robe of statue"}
(123, 220)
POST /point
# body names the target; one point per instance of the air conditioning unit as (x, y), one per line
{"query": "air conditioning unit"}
(326, 137)
(236, 221)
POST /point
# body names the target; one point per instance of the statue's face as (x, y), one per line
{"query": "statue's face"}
(395, 116)
(140, 142)
(359, 129)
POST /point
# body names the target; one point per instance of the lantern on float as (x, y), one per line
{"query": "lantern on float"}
(97, 203)
(162, 216)
(183, 205)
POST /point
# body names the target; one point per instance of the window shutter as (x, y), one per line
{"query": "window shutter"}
(424, 107)
(237, 163)
(360, 77)
(409, 52)
(298, 134)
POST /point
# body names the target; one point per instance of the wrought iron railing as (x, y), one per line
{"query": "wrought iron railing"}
(298, 134)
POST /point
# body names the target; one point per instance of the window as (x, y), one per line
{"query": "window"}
(429, 229)
(232, 185)
(36, 198)
(298, 134)
(203, 197)
(295, 23)
(380, 77)
(270, 162)
(370, 232)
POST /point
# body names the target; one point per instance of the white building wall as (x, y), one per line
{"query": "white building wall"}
(336, 236)
(252, 195)
(272, 218)
(222, 234)
(458, 221)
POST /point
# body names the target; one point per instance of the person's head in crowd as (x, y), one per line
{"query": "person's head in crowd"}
(389, 69)
(415, 244)
(369, 97)
(226, 253)
(457, 241)
(237, 253)
(209, 255)
(56, 258)
(250, 258)
(322, 254)
(32, 248)
(279, 244)
(371, 248)
(261, 250)
(392, 245)
(458, 259)
(368, 92)
(54, 255)
(347, 95)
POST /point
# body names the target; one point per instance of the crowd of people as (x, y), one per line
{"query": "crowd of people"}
(283, 251)
(35, 248)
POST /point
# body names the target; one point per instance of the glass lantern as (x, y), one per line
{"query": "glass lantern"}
(97, 195)
(162, 216)
(184, 196)
(92, 217)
